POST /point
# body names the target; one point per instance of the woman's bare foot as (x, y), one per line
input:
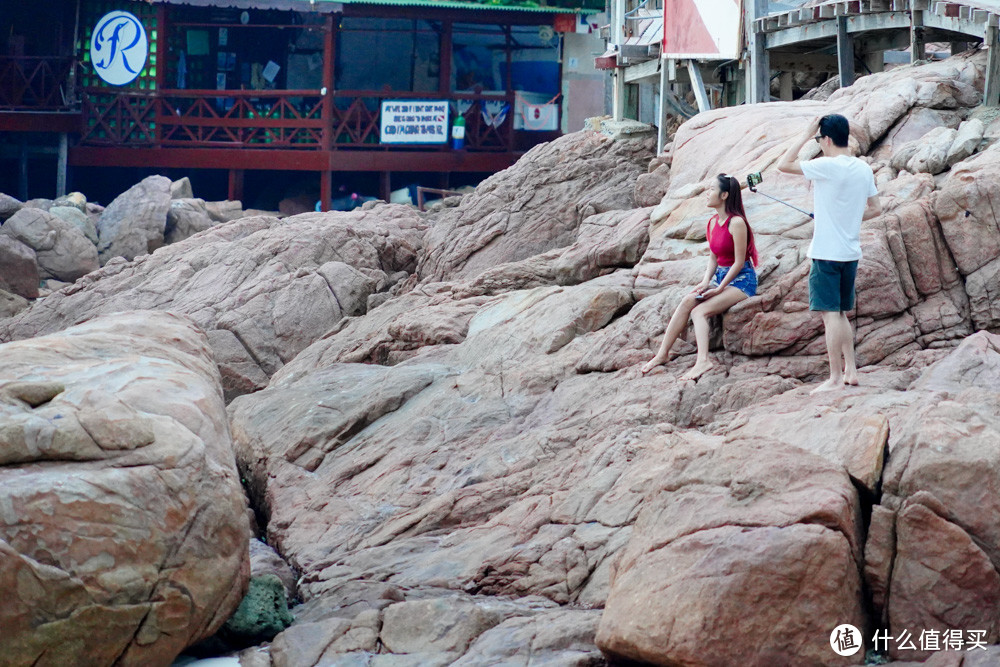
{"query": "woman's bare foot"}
(653, 363)
(829, 385)
(699, 369)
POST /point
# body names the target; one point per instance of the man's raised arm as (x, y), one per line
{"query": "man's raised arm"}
(788, 163)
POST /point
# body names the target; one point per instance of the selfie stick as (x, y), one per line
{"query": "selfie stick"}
(754, 190)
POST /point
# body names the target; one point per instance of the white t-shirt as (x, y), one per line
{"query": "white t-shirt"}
(843, 186)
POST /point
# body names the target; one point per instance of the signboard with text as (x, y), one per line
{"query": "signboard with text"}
(414, 122)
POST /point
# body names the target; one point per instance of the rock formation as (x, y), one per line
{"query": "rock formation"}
(123, 533)
(442, 427)
(134, 223)
(263, 289)
(61, 249)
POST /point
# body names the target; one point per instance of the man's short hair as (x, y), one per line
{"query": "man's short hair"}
(836, 127)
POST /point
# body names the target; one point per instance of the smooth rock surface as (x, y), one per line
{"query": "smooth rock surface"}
(133, 224)
(61, 249)
(263, 289)
(123, 537)
(18, 268)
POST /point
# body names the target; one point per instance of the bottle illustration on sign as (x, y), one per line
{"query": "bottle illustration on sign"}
(458, 132)
(119, 48)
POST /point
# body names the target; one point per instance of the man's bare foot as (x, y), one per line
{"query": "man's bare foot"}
(653, 363)
(698, 370)
(829, 385)
(851, 379)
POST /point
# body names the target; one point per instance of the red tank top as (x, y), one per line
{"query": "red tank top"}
(720, 241)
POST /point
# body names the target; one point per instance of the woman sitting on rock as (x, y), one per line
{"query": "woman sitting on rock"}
(733, 258)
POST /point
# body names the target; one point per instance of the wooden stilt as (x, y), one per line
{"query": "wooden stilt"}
(700, 94)
(385, 185)
(917, 51)
(661, 113)
(785, 86)
(61, 165)
(759, 76)
(845, 53)
(235, 185)
(325, 189)
(991, 94)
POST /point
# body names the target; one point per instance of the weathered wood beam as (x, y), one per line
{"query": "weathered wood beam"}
(759, 68)
(700, 94)
(845, 53)
(802, 33)
(661, 119)
(873, 42)
(641, 72)
(785, 86)
(878, 22)
(954, 25)
(917, 51)
(991, 94)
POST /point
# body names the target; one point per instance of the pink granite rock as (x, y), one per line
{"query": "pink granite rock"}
(123, 533)
(263, 289)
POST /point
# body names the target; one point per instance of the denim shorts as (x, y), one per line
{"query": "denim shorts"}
(745, 281)
(831, 285)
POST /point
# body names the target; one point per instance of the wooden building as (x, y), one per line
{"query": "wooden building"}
(290, 85)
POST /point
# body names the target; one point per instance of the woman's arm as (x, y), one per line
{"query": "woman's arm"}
(713, 264)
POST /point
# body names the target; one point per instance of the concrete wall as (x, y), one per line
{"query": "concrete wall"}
(582, 84)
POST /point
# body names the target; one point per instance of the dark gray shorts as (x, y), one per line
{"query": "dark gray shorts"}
(831, 285)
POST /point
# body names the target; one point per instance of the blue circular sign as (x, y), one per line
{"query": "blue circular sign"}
(118, 48)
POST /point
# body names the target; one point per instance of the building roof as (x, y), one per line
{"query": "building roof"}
(325, 6)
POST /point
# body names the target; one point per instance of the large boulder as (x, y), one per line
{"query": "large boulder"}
(262, 288)
(914, 125)
(730, 540)
(11, 304)
(186, 218)
(133, 224)
(534, 206)
(77, 218)
(908, 293)
(123, 533)
(8, 206)
(18, 267)
(933, 551)
(61, 249)
(485, 430)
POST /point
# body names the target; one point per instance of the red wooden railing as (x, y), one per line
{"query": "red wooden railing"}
(259, 119)
(119, 119)
(29, 83)
(271, 119)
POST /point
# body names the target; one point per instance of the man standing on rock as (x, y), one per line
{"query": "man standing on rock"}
(845, 194)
